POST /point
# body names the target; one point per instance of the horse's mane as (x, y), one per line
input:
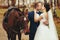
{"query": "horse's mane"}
(9, 10)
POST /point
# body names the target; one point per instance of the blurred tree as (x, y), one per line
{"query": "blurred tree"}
(8, 3)
(50, 2)
(45, 1)
(35, 0)
(54, 8)
(13, 2)
(58, 3)
(18, 3)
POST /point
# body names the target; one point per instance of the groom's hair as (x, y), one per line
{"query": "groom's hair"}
(47, 6)
(36, 4)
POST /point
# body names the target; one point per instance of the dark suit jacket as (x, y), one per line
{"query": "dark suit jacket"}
(33, 25)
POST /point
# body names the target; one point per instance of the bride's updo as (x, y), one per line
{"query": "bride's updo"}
(47, 6)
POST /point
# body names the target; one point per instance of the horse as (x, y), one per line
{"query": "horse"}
(13, 22)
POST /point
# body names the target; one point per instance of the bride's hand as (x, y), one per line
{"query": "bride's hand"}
(46, 23)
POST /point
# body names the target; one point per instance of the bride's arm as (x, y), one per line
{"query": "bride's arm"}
(37, 18)
(46, 16)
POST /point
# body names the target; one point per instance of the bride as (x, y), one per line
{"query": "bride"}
(46, 30)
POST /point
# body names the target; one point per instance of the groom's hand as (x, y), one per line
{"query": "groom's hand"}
(46, 23)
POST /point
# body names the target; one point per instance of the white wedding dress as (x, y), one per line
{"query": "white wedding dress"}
(45, 32)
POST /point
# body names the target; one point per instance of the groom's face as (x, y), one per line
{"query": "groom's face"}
(39, 6)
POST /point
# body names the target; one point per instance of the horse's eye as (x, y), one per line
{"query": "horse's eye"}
(19, 14)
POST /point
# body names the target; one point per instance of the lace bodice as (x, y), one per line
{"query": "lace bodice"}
(44, 19)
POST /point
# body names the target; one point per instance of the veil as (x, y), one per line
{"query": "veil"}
(53, 31)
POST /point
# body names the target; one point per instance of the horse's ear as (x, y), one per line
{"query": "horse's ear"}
(4, 13)
(12, 11)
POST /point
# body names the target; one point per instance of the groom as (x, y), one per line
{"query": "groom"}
(33, 24)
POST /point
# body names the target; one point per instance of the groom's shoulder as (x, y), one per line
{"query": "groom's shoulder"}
(30, 12)
(30, 15)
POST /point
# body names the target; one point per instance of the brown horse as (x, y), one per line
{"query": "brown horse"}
(14, 23)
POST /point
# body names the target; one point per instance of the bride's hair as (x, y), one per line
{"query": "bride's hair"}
(47, 6)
